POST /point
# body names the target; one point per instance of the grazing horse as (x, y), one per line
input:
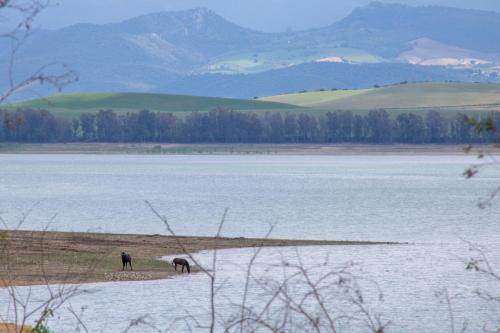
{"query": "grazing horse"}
(182, 262)
(126, 260)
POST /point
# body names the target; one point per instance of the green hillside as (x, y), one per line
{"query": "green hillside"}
(76, 103)
(253, 62)
(452, 96)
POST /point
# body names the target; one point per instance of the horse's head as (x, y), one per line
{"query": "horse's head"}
(123, 253)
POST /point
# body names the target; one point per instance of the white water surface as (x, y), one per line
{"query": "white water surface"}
(382, 198)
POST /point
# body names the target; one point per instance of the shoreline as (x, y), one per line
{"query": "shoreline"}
(242, 149)
(39, 258)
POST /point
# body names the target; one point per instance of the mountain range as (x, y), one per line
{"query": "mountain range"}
(199, 52)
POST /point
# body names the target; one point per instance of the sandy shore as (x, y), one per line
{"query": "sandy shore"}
(11, 328)
(32, 258)
(227, 149)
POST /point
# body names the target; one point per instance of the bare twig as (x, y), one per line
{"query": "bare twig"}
(56, 74)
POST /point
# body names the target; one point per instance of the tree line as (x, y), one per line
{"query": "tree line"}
(227, 126)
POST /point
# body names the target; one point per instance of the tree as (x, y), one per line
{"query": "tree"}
(435, 127)
(87, 122)
(410, 128)
(276, 127)
(346, 123)
(461, 130)
(108, 129)
(146, 121)
(378, 127)
(75, 127)
(332, 127)
(403, 125)
(290, 127)
(358, 128)
(339, 126)
(222, 126)
(166, 127)
(307, 128)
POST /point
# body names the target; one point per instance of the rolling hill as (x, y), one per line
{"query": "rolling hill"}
(439, 96)
(76, 103)
(452, 97)
(316, 76)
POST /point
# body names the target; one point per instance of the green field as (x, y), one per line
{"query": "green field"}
(451, 98)
(424, 96)
(253, 62)
(76, 103)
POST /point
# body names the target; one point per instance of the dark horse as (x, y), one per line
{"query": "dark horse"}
(126, 260)
(182, 262)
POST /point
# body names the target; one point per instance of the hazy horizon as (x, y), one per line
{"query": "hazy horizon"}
(257, 14)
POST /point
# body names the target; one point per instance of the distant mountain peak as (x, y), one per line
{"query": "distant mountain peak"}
(196, 14)
(398, 24)
(203, 15)
(203, 11)
(379, 4)
(187, 22)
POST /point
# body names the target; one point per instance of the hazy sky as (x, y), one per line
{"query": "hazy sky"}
(267, 15)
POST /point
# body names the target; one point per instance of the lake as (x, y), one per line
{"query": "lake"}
(423, 200)
(382, 198)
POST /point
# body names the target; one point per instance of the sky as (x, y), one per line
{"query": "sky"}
(264, 15)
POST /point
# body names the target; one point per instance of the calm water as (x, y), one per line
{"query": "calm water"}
(390, 198)
(408, 275)
(423, 200)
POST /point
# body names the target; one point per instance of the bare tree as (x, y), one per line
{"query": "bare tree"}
(487, 155)
(19, 17)
(27, 310)
(300, 301)
(19, 28)
(479, 263)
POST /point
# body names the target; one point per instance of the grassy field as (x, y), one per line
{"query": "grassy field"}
(448, 98)
(438, 96)
(77, 103)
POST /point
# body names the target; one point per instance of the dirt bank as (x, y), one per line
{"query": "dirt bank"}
(245, 149)
(31, 257)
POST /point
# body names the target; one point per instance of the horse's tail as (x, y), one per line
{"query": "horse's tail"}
(187, 266)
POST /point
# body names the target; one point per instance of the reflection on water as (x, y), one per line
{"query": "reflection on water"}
(408, 275)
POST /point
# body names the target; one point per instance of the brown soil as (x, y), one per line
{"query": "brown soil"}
(31, 257)
(11, 328)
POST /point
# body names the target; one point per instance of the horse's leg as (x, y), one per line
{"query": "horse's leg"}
(182, 268)
(123, 266)
(175, 267)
